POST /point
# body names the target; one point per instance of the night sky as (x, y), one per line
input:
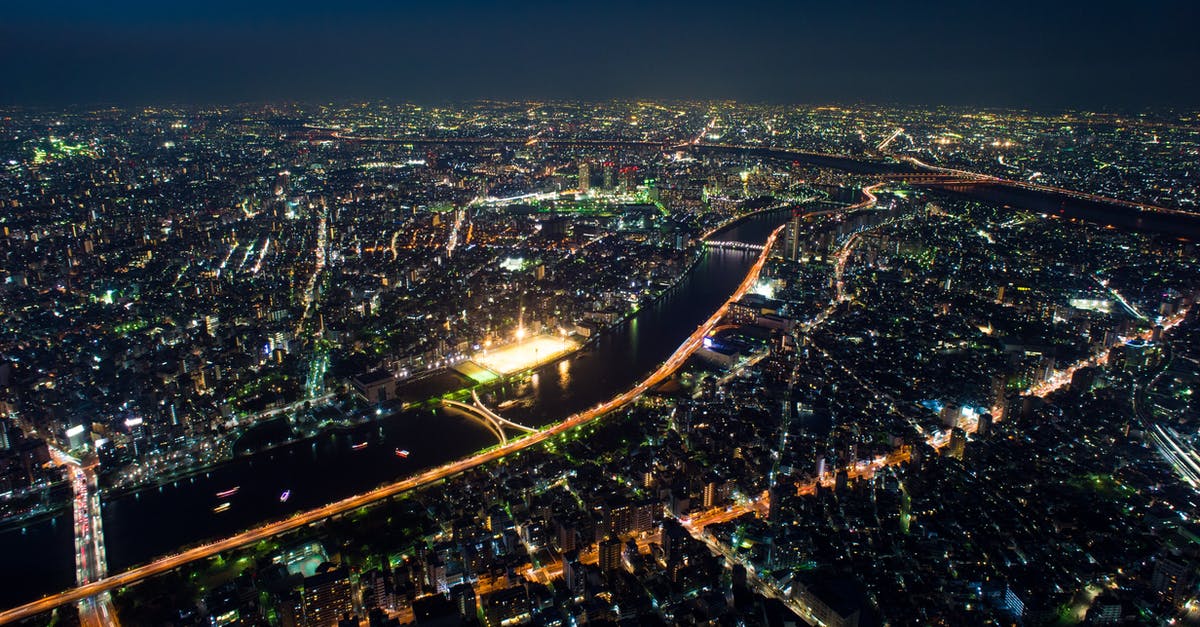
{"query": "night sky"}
(1044, 54)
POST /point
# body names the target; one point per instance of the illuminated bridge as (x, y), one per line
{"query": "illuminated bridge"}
(934, 178)
(493, 421)
(732, 245)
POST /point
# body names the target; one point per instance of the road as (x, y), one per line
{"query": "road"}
(696, 527)
(890, 138)
(974, 177)
(1176, 449)
(303, 519)
(493, 141)
(91, 562)
(452, 242)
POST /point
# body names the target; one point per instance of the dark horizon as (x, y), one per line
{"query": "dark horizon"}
(1164, 110)
(1019, 55)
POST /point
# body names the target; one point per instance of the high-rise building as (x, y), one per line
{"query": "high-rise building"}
(327, 597)
(610, 554)
(574, 576)
(625, 518)
(509, 606)
(793, 235)
(1000, 396)
(985, 425)
(377, 590)
(715, 492)
(77, 435)
(950, 414)
(585, 177)
(628, 182)
(435, 574)
(958, 443)
(463, 596)
(1171, 579)
(675, 547)
(566, 535)
(773, 501)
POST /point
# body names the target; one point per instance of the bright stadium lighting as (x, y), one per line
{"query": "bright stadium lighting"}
(526, 354)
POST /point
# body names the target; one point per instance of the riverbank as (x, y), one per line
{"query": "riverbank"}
(348, 422)
(434, 474)
(327, 468)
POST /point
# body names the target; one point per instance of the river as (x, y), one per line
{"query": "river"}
(141, 525)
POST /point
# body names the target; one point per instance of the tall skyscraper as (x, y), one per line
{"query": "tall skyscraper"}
(999, 396)
(585, 176)
(793, 235)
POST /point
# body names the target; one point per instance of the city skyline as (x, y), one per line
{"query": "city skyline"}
(550, 314)
(597, 357)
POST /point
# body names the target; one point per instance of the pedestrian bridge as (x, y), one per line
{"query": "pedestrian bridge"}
(490, 419)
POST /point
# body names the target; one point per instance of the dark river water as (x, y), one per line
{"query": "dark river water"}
(142, 525)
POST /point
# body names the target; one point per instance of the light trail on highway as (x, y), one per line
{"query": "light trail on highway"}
(91, 562)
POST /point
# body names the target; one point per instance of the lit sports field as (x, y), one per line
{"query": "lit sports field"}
(525, 354)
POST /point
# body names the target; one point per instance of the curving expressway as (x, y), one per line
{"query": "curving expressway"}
(303, 519)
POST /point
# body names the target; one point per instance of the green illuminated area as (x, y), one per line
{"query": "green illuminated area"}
(56, 148)
(593, 207)
(477, 374)
(132, 326)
